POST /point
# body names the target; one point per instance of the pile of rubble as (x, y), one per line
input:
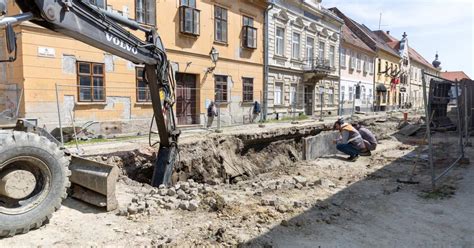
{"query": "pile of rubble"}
(189, 196)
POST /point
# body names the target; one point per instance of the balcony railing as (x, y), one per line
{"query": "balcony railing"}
(317, 65)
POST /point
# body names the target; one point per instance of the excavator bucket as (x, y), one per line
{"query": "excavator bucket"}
(94, 182)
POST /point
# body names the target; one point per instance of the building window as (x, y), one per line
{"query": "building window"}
(371, 66)
(99, 3)
(364, 96)
(220, 24)
(309, 50)
(280, 41)
(351, 93)
(296, 51)
(249, 37)
(358, 62)
(321, 51)
(145, 12)
(352, 61)
(220, 88)
(189, 17)
(343, 57)
(143, 92)
(331, 96)
(321, 93)
(366, 64)
(247, 89)
(293, 94)
(379, 67)
(332, 56)
(277, 100)
(343, 93)
(90, 78)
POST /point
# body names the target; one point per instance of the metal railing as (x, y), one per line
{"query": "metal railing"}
(10, 101)
(317, 64)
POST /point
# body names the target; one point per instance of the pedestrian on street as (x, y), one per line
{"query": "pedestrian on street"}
(211, 113)
(350, 141)
(256, 111)
(369, 138)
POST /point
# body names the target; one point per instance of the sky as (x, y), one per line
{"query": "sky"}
(443, 26)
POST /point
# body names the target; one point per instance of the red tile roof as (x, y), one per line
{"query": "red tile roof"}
(351, 38)
(454, 75)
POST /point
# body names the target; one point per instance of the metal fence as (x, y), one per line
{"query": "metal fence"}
(10, 98)
(446, 124)
(122, 111)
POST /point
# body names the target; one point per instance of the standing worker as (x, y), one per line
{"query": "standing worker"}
(369, 138)
(256, 111)
(211, 113)
(350, 141)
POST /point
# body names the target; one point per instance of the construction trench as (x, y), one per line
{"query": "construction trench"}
(262, 189)
(231, 158)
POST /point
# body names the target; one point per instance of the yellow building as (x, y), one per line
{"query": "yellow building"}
(386, 81)
(90, 85)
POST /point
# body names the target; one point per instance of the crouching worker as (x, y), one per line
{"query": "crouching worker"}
(369, 138)
(350, 141)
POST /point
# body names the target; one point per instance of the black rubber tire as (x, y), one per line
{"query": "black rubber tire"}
(14, 144)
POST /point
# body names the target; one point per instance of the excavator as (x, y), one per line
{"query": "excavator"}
(36, 171)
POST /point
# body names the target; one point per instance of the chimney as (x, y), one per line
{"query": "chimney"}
(388, 31)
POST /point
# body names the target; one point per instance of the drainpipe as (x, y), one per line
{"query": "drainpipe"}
(266, 59)
(339, 61)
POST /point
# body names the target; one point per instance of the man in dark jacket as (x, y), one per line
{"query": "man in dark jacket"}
(369, 138)
(211, 113)
(256, 111)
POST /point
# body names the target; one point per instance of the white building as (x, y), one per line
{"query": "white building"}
(357, 74)
(303, 59)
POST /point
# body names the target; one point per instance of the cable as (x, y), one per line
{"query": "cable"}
(149, 132)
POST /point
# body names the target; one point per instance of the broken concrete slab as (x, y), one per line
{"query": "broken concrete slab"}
(409, 129)
(319, 145)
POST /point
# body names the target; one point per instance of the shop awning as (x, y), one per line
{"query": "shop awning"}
(381, 88)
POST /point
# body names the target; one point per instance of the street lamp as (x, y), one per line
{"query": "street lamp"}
(214, 54)
(321, 94)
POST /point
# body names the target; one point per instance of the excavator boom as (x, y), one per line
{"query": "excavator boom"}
(92, 182)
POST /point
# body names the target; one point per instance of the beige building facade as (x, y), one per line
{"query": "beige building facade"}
(304, 40)
(90, 85)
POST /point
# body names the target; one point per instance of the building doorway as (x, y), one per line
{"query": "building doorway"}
(308, 99)
(186, 105)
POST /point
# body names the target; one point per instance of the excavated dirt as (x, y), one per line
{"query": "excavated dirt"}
(229, 158)
(255, 191)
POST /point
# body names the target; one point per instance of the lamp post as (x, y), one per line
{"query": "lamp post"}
(214, 55)
(321, 92)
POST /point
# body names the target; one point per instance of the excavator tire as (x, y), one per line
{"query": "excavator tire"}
(46, 174)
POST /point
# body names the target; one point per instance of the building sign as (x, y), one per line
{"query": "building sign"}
(403, 89)
(46, 52)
